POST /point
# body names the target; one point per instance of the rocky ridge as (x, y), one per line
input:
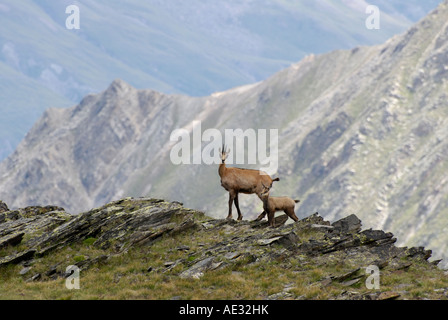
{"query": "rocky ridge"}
(29, 234)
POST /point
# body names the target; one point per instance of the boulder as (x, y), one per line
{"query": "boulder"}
(3, 207)
(349, 224)
(198, 269)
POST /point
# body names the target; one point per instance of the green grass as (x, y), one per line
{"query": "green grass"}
(142, 273)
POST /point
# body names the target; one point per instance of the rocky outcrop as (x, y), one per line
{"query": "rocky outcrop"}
(123, 223)
(33, 232)
(27, 223)
(3, 207)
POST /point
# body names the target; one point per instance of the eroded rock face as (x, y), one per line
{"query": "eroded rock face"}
(125, 222)
(3, 207)
(29, 223)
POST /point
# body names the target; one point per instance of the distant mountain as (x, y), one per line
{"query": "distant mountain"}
(188, 47)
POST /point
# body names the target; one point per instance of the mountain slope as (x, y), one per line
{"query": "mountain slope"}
(193, 47)
(360, 131)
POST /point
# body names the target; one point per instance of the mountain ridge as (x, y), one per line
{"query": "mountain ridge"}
(147, 248)
(193, 49)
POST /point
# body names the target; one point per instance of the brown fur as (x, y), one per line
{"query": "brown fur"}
(237, 180)
(273, 204)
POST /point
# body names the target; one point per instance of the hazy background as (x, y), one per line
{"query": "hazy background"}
(191, 47)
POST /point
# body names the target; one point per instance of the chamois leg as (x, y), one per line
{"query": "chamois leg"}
(231, 198)
(271, 219)
(290, 212)
(261, 216)
(237, 205)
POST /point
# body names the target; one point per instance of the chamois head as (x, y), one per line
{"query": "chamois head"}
(265, 192)
(223, 153)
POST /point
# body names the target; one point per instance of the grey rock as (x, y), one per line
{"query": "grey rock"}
(346, 276)
(24, 271)
(232, 255)
(52, 270)
(3, 208)
(350, 282)
(265, 242)
(280, 296)
(11, 239)
(198, 269)
(350, 223)
(35, 277)
(18, 257)
(322, 227)
(388, 295)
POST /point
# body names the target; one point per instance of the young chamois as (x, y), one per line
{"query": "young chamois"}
(273, 204)
(237, 180)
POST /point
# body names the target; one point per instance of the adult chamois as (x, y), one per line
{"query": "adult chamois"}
(273, 204)
(238, 180)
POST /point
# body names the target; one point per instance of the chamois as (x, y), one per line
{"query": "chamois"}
(273, 204)
(238, 180)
